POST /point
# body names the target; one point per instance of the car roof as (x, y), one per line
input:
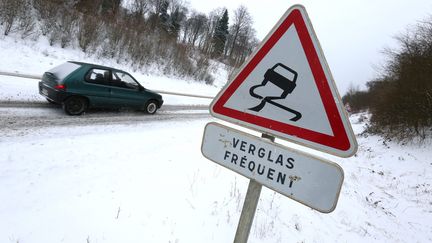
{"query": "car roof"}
(95, 65)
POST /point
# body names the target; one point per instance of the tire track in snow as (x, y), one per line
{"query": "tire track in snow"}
(22, 116)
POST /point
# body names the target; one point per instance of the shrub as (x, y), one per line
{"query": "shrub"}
(401, 99)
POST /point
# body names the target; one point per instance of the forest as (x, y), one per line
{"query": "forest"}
(167, 33)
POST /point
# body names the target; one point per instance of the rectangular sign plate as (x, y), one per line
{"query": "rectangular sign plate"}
(312, 181)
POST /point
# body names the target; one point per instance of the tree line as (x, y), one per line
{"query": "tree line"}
(166, 33)
(400, 99)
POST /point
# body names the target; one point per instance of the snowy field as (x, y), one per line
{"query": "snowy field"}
(148, 182)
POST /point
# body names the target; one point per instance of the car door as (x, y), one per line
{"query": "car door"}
(96, 87)
(125, 91)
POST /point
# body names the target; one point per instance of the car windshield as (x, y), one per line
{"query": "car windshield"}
(124, 79)
(285, 72)
(64, 69)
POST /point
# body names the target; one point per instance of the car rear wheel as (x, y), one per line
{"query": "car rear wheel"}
(75, 105)
(151, 107)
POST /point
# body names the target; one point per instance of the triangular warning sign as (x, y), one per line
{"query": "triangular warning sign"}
(286, 89)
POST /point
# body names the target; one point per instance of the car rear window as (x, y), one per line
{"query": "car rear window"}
(64, 69)
(285, 72)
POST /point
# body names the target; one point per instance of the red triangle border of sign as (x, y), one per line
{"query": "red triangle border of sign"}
(340, 139)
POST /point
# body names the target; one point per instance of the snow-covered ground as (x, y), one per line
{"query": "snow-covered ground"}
(148, 182)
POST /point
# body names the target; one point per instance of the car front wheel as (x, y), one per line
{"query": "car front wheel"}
(151, 107)
(75, 106)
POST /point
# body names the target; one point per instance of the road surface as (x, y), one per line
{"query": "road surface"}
(18, 117)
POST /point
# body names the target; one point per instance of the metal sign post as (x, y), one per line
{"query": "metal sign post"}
(249, 207)
(248, 212)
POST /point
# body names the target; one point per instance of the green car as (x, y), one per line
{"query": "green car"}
(78, 86)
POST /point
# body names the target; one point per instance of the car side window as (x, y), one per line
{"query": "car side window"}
(98, 76)
(124, 80)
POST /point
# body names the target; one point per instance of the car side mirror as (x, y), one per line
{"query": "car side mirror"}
(141, 88)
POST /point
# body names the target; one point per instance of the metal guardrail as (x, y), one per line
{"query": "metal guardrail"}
(31, 76)
(183, 94)
(20, 75)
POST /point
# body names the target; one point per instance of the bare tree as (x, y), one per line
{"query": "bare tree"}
(177, 11)
(197, 23)
(67, 27)
(158, 14)
(87, 7)
(9, 11)
(209, 30)
(89, 31)
(47, 11)
(110, 8)
(242, 21)
(245, 45)
(140, 8)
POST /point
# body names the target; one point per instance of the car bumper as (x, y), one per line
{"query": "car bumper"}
(52, 94)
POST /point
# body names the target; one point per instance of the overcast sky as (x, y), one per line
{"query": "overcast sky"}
(352, 33)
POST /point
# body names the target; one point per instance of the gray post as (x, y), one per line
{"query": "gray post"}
(249, 207)
(248, 212)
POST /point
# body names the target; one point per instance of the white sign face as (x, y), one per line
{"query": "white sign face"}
(286, 89)
(309, 180)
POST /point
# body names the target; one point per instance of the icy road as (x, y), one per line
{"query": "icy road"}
(20, 116)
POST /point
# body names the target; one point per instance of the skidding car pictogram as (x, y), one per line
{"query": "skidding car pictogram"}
(279, 76)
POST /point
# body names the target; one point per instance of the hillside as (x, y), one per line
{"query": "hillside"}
(36, 57)
(163, 36)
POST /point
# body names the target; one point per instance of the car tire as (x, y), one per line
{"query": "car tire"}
(75, 105)
(151, 107)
